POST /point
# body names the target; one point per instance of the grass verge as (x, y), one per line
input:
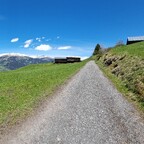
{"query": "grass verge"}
(21, 90)
(120, 85)
(124, 66)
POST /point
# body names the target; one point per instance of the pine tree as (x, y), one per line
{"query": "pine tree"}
(97, 49)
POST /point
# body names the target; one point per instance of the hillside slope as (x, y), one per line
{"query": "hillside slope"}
(126, 64)
(22, 89)
(87, 110)
(12, 62)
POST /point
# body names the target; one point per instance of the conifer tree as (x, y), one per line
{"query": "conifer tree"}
(97, 49)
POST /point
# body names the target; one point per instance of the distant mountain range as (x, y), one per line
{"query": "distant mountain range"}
(12, 62)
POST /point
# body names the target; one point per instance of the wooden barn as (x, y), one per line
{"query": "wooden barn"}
(131, 40)
(73, 59)
(67, 60)
(60, 60)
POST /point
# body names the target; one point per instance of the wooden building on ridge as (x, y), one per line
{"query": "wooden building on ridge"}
(60, 60)
(73, 59)
(131, 40)
(67, 60)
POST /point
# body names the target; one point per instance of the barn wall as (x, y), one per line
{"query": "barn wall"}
(67, 60)
(132, 42)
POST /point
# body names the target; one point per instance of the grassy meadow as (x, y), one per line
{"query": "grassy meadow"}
(136, 50)
(21, 90)
(124, 65)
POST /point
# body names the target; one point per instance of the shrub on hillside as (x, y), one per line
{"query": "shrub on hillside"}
(119, 43)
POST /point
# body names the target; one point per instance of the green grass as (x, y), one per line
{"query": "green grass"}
(2, 68)
(21, 90)
(136, 49)
(126, 71)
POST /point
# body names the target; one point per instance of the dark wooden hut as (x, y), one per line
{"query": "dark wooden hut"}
(67, 60)
(73, 59)
(131, 40)
(60, 60)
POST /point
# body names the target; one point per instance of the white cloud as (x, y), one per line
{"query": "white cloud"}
(38, 39)
(14, 40)
(20, 54)
(58, 37)
(43, 47)
(43, 37)
(48, 39)
(28, 43)
(12, 54)
(64, 48)
(84, 57)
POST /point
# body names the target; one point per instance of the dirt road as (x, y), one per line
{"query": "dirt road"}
(88, 110)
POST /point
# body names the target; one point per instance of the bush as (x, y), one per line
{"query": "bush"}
(119, 43)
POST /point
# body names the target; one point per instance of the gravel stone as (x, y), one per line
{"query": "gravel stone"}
(87, 110)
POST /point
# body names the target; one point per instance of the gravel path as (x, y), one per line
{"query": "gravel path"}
(88, 110)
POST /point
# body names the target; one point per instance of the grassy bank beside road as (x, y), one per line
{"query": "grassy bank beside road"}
(21, 90)
(124, 65)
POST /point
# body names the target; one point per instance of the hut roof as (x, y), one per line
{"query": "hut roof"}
(139, 38)
(60, 58)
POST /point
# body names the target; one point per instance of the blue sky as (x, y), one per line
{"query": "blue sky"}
(67, 27)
